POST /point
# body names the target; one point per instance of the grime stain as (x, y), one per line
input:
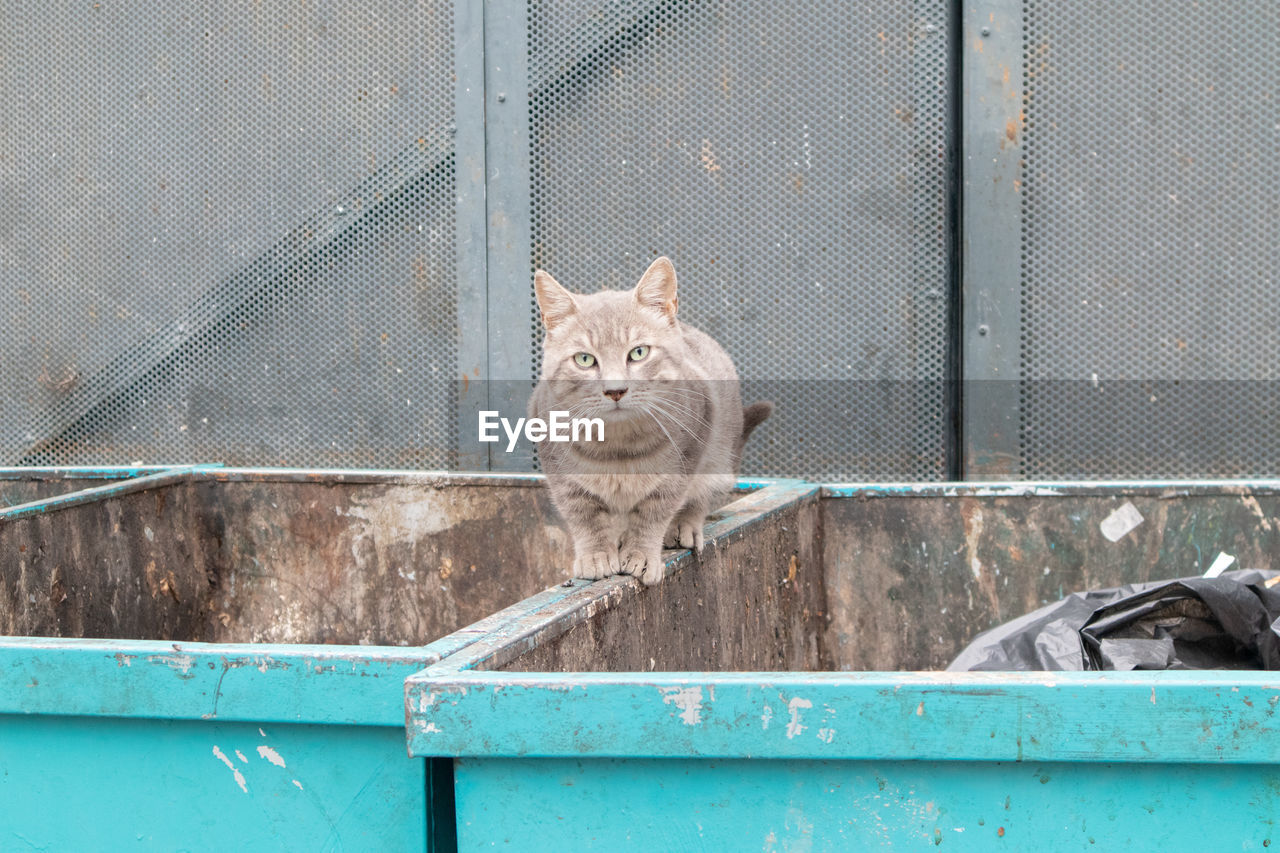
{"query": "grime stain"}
(974, 527)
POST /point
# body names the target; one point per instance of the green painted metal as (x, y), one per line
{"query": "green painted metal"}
(261, 682)
(614, 760)
(1190, 717)
(107, 783)
(1164, 489)
(269, 746)
(159, 744)
(805, 805)
(167, 744)
(201, 746)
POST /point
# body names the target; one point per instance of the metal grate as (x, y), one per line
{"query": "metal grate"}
(228, 233)
(1150, 240)
(793, 161)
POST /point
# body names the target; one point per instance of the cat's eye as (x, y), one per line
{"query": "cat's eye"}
(638, 353)
(584, 360)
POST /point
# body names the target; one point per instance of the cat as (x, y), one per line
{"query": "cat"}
(674, 425)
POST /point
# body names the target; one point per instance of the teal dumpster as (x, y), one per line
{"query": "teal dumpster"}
(784, 693)
(200, 658)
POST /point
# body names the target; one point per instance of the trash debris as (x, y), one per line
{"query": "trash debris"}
(1116, 525)
(1231, 621)
(1221, 563)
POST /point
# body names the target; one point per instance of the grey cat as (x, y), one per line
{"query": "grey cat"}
(674, 426)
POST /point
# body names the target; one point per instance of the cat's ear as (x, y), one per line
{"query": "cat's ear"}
(555, 303)
(657, 288)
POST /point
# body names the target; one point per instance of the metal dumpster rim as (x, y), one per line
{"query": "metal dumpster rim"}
(1123, 717)
(201, 680)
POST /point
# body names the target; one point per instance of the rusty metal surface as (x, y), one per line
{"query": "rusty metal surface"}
(17, 492)
(133, 566)
(375, 563)
(268, 557)
(754, 601)
(912, 576)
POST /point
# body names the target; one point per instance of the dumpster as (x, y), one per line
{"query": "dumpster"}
(207, 658)
(785, 693)
(203, 658)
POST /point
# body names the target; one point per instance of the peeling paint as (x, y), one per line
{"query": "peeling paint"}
(177, 662)
(222, 756)
(687, 699)
(793, 726)
(271, 755)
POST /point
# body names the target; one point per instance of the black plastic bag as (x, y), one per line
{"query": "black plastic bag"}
(1228, 622)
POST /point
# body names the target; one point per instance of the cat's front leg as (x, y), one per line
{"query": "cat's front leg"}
(641, 546)
(685, 530)
(642, 558)
(595, 552)
(595, 539)
(592, 561)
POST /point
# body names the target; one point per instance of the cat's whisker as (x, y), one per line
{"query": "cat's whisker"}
(679, 419)
(680, 393)
(692, 409)
(675, 420)
(650, 413)
(681, 409)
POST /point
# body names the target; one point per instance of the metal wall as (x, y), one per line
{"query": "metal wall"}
(1122, 229)
(289, 234)
(792, 159)
(227, 233)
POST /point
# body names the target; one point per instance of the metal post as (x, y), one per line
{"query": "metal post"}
(993, 124)
(471, 243)
(506, 60)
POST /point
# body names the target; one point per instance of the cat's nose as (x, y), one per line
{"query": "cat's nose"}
(615, 394)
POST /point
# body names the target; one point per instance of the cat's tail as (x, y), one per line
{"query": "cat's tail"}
(752, 417)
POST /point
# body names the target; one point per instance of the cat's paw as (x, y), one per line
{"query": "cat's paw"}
(647, 567)
(594, 565)
(683, 534)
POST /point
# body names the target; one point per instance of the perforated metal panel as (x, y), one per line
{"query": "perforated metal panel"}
(793, 161)
(1151, 240)
(227, 233)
